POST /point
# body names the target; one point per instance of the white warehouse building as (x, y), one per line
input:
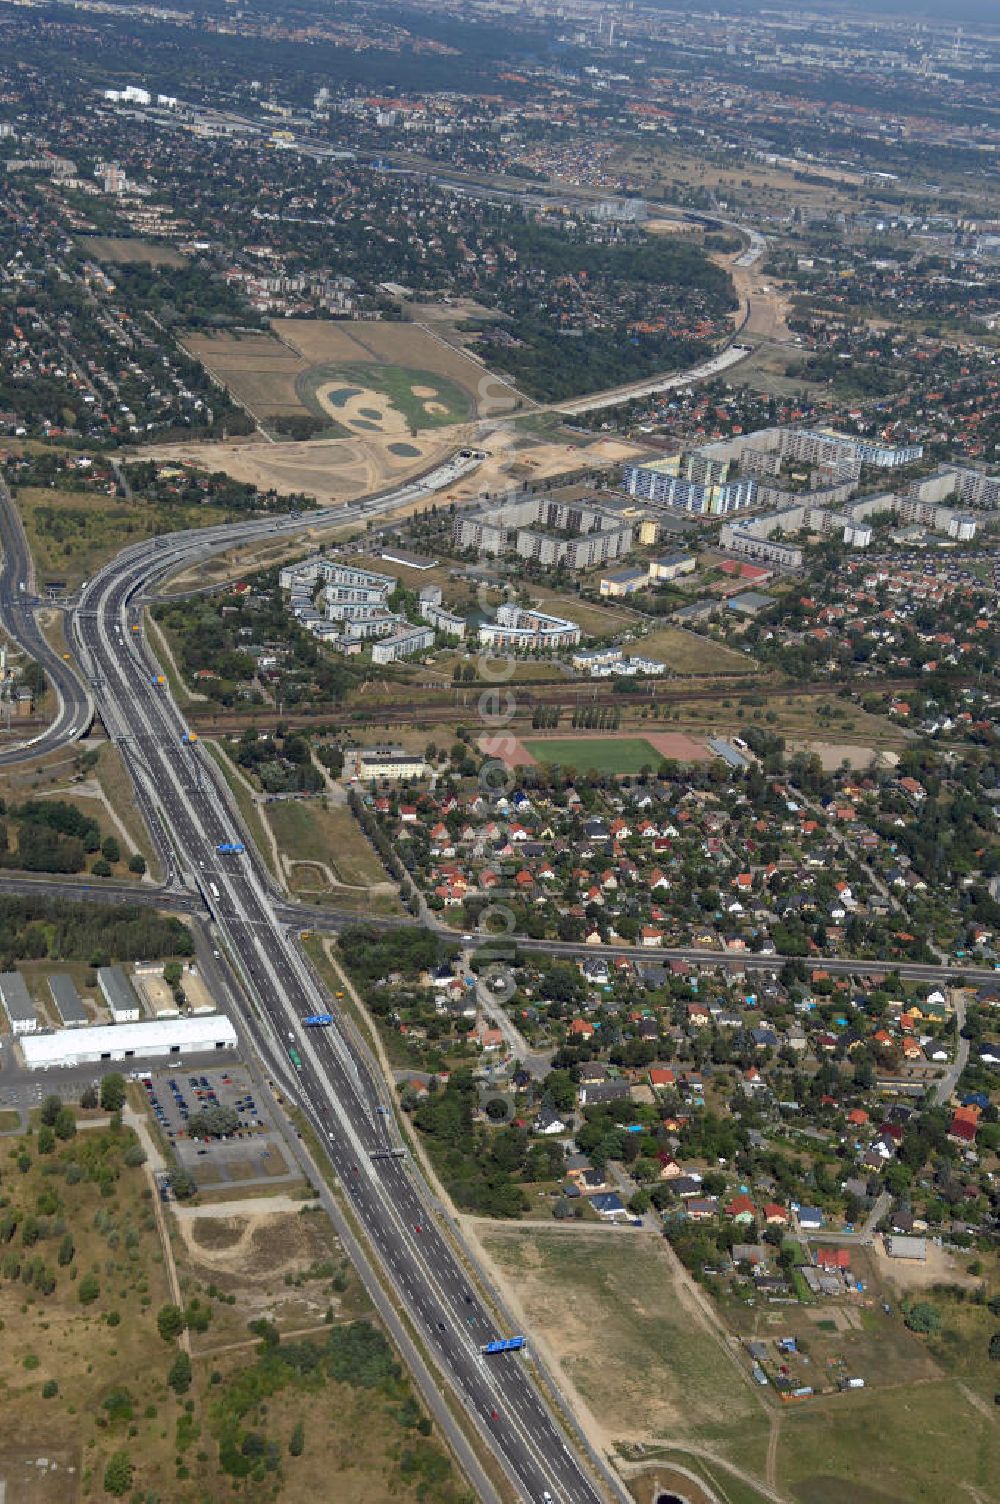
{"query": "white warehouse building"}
(151, 1039)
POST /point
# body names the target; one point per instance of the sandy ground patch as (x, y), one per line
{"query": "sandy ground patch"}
(263, 1234)
(768, 310)
(513, 458)
(678, 745)
(909, 1275)
(833, 754)
(671, 227)
(365, 411)
(433, 409)
(335, 470)
(331, 470)
(424, 391)
(509, 749)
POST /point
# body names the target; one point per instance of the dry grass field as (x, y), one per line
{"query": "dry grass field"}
(330, 837)
(410, 346)
(618, 1323)
(71, 533)
(282, 373)
(257, 369)
(593, 620)
(688, 653)
(322, 342)
(662, 168)
(121, 250)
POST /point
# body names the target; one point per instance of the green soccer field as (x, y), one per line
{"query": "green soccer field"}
(596, 754)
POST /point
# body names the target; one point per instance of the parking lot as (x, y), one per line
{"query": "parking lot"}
(252, 1152)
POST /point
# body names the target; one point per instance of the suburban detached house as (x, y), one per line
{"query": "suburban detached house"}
(702, 1208)
(548, 1122)
(609, 1206)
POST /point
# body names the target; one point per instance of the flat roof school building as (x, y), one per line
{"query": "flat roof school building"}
(153, 1039)
(387, 762)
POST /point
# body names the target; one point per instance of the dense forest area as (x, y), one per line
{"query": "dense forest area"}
(591, 314)
(58, 929)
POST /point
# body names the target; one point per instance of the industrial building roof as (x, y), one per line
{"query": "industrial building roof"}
(903, 1247)
(118, 990)
(16, 997)
(67, 1000)
(632, 573)
(154, 1036)
(727, 752)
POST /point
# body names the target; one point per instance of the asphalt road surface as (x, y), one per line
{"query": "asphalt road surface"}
(342, 1096)
(161, 556)
(74, 708)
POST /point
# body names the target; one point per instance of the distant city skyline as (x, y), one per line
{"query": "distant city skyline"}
(956, 12)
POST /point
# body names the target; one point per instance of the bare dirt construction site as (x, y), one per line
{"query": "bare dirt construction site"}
(834, 755)
(330, 470)
(337, 470)
(396, 399)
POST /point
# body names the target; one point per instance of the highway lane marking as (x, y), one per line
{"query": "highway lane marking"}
(444, 1302)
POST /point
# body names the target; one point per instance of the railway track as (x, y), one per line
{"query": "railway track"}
(530, 697)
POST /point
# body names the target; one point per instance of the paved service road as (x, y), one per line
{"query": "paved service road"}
(74, 707)
(949, 1081)
(339, 1090)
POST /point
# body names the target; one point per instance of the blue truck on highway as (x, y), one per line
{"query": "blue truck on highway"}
(503, 1345)
(230, 848)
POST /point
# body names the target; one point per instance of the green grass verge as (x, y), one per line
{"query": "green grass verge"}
(916, 1444)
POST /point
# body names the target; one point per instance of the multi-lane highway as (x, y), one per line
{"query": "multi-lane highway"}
(337, 1087)
(155, 559)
